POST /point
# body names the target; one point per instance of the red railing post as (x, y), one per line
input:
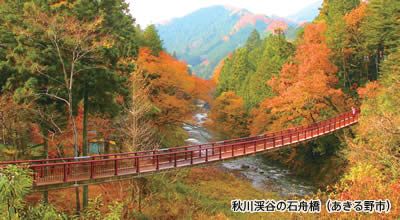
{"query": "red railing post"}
(191, 157)
(220, 153)
(115, 167)
(329, 125)
(186, 153)
(255, 146)
(175, 162)
(157, 163)
(334, 123)
(312, 131)
(244, 148)
(265, 143)
(290, 138)
(134, 163)
(34, 175)
(298, 135)
(41, 171)
(282, 141)
(212, 145)
(137, 165)
(206, 154)
(273, 141)
(200, 150)
(65, 173)
(91, 169)
(233, 151)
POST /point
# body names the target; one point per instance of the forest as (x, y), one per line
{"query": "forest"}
(76, 74)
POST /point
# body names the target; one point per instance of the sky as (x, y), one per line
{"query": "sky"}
(156, 11)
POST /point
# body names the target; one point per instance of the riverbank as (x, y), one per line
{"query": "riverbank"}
(264, 175)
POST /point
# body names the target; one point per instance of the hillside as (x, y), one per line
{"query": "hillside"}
(204, 37)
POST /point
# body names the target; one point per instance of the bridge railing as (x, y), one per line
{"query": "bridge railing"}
(62, 172)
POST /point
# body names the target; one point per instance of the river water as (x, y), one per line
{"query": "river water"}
(263, 174)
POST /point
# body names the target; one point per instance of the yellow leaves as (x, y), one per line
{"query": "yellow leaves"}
(217, 71)
(108, 43)
(228, 116)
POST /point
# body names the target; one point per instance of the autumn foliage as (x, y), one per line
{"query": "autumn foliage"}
(228, 116)
(306, 87)
(172, 91)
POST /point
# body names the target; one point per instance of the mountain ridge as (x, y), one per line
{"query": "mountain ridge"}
(227, 28)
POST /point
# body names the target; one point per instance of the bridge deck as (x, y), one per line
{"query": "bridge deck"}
(67, 170)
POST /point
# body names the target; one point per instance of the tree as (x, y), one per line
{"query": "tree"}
(378, 131)
(249, 68)
(254, 40)
(355, 55)
(276, 52)
(16, 125)
(136, 124)
(152, 39)
(235, 71)
(228, 116)
(15, 184)
(170, 91)
(381, 29)
(310, 74)
(70, 42)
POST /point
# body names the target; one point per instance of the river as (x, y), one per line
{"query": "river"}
(263, 174)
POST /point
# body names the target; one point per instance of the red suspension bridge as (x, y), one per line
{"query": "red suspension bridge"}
(63, 172)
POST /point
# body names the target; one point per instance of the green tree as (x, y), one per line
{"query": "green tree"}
(15, 184)
(235, 72)
(152, 39)
(254, 40)
(248, 70)
(333, 12)
(381, 29)
(277, 51)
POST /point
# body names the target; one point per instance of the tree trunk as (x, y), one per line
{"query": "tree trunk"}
(72, 118)
(140, 199)
(46, 156)
(78, 203)
(85, 193)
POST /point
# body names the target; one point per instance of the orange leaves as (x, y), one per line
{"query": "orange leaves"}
(203, 88)
(217, 71)
(172, 90)
(370, 90)
(228, 116)
(170, 85)
(305, 87)
(355, 17)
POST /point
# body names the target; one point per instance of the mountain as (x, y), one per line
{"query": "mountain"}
(204, 37)
(308, 13)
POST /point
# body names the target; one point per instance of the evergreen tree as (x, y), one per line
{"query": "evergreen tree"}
(250, 67)
(152, 39)
(381, 29)
(254, 40)
(333, 12)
